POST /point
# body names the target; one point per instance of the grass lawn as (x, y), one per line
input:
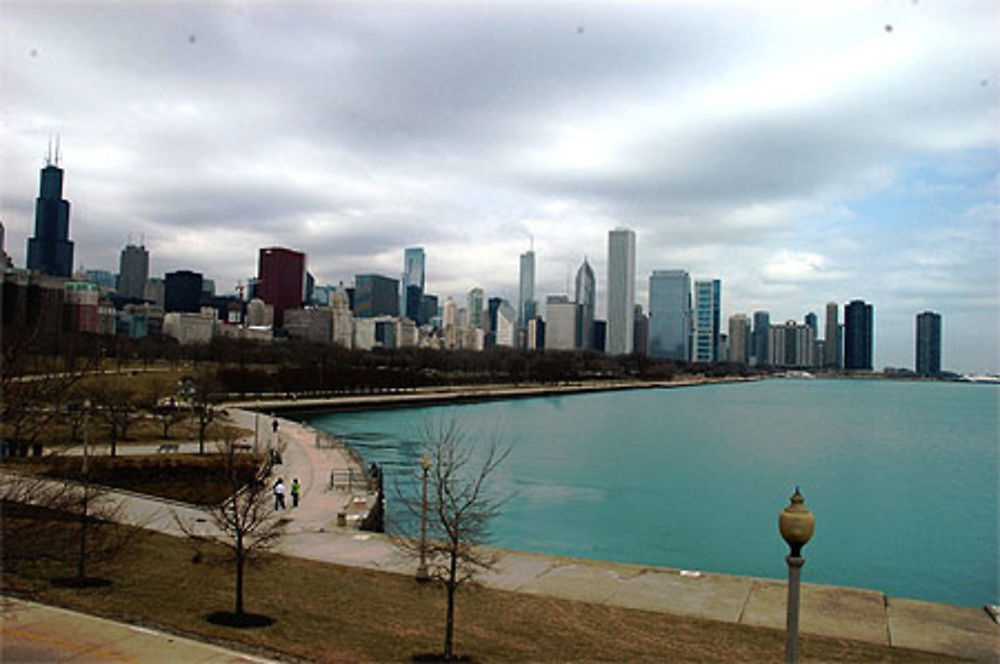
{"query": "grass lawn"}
(330, 613)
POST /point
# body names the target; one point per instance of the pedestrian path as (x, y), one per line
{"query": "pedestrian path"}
(31, 632)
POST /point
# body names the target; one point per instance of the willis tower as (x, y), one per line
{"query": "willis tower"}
(50, 250)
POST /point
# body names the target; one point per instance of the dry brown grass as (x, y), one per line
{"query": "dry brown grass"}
(330, 613)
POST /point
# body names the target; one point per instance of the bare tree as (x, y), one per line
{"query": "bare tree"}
(201, 391)
(459, 508)
(246, 523)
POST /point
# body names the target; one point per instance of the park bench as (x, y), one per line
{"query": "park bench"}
(168, 447)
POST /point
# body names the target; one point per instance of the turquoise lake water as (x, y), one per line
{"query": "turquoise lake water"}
(902, 478)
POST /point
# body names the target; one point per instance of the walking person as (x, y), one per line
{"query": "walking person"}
(295, 492)
(279, 494)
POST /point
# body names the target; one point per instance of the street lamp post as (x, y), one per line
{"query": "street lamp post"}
(425, 465)
(796, 524)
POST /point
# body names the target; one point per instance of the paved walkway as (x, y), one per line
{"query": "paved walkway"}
(31, 632)
(834, 611)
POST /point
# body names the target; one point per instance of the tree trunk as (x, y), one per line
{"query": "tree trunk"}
(449, 625)
(240, 560)
(81, 560)
(114, 438)
(201, 435)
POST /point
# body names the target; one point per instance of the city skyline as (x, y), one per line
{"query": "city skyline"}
(799, 155)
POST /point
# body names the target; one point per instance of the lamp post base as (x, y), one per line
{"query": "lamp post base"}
(422, 576)
(795, 564)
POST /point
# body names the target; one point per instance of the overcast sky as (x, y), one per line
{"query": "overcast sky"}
(801, 152)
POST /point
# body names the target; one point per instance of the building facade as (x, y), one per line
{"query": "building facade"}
(928, 360)
(562, 325)
(50, 251)
(621, 291)
(859, 324)
(526, 289)
(281, 280)
(760, 344)
(375, 295)
(413, 283)
(586, 297)
(739, 339)
(832, 353)
(133, 271)
(708, 311)
(670, 314)
(475, 302)
(182, 291)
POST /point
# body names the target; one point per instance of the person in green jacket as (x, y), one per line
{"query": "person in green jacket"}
(295, 492)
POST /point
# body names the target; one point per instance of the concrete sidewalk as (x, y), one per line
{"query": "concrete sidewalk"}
(31, 632)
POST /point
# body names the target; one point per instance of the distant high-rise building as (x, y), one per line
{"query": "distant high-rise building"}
(600, 335)
(428, 309)
(708, 311)
(793, 345)
(154, 292)
(375, 295)
(505, 329)
(928, 343)
(640, 331)
(739, 339)
(412, 286)
(182, 291)
(5, 260)
(621, 291)
(526, 290)
(670, 314)
(50, 251)
(475, 302)
(133, 271)
(760, 344)
(832, 354)
(586, 297)
(561, 323)
(281, 275)
(859, 327)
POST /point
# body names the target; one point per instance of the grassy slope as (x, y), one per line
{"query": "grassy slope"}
(331, 613)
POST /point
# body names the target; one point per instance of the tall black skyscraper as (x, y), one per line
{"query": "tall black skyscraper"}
(928, 343)
(50, 250)
(859, 327)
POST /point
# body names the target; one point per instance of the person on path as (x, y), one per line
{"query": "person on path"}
(279, 495)
(295, 492)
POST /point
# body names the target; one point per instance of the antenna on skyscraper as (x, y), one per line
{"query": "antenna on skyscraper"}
(48, 155)
(142, 239)
(57, 149)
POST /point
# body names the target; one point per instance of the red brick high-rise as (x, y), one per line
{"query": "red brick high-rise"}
(281, 280)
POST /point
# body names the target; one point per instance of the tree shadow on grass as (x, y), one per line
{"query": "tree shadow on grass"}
(239, 620)
(80, 582)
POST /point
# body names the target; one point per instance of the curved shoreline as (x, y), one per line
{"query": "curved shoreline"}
(436, 396)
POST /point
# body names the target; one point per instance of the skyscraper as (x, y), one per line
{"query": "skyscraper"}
(928, 343)
(50, 250)
(475, 303)
(739, 338)
(708, 311)
(760, 345)
(526, 290)
(859, 327)
(670, 314)
(281, 275)
(182, 291)
(586, 297)
(831, 342)
(412, 287)
(375, 295)
(561, 323)
(621, 291)
(133, 271)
